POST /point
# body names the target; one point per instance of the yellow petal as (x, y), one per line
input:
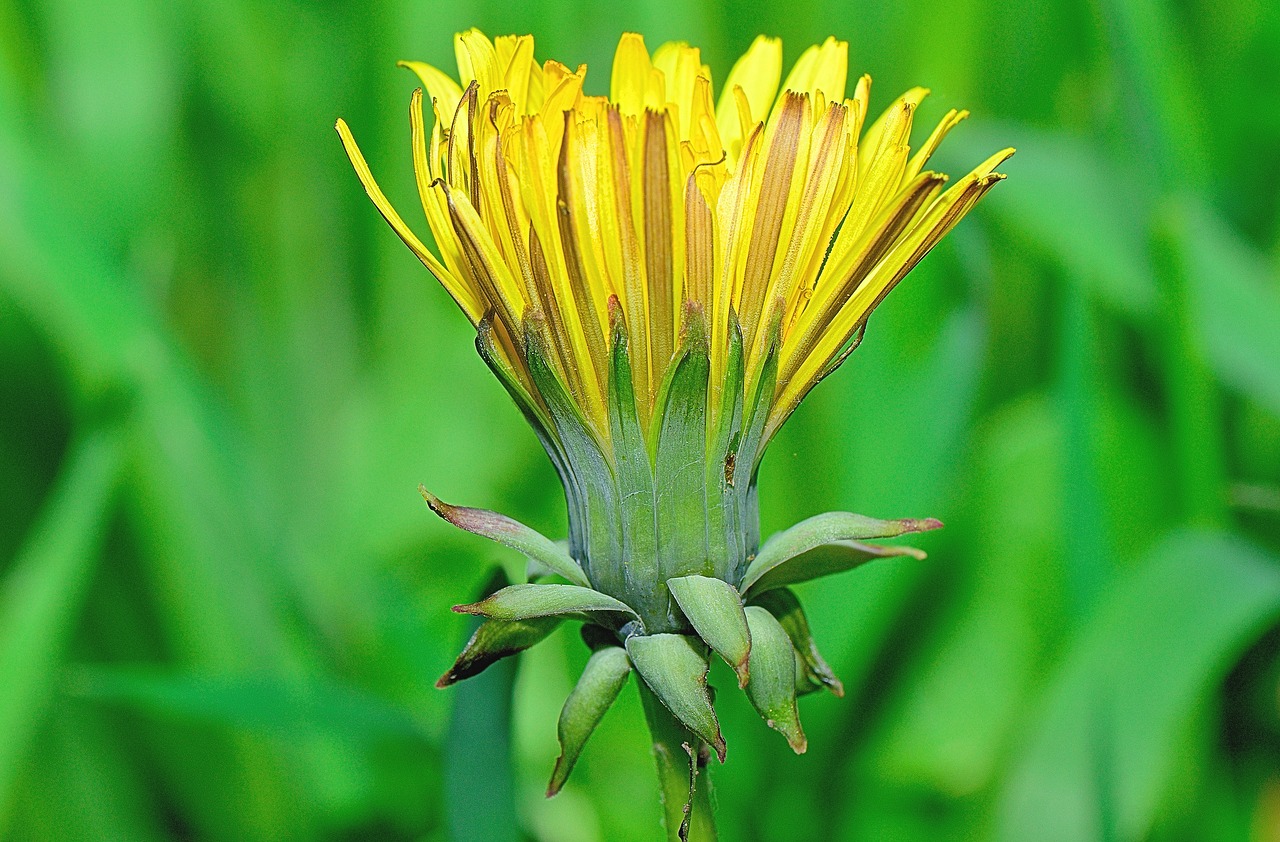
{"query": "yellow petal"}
(872, 138)
(681, 65)
(757, 74)
(477, 61)
(629, 83)
(443, 90)
(823, 68)
(473, 308)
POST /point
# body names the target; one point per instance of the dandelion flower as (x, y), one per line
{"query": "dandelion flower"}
(658, 277)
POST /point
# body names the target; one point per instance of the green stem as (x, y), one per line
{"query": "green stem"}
(670, 739)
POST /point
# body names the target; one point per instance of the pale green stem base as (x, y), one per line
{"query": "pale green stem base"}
(669, 741)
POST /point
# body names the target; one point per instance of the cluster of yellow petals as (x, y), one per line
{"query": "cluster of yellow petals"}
(777, 203)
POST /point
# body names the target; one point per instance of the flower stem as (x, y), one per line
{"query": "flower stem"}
(672, 745)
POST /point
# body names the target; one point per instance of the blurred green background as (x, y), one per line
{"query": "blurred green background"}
(223, 605)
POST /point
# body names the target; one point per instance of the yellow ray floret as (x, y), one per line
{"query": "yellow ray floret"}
(772, 204)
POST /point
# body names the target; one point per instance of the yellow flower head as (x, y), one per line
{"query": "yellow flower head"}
(777, 217)
(658, 279)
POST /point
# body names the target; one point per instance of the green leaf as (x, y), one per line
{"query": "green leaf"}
(813, 671)
(510, 533)
(601, 681)
(772, 688)
(495, 640)
(674, 666)
(714, 609)
(1163, 638)
(824, 560)
(827, 528)
(523, 602)
(1079, 206)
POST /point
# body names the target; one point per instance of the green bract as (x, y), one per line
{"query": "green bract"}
(664, 564)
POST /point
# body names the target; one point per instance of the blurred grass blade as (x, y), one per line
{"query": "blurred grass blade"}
(479, 796)
(1164, 638)
(1076, 204)
(1235, 298)
(43, 593)
(269, 704)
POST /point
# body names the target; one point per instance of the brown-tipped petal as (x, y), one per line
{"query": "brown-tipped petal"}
(836, 557)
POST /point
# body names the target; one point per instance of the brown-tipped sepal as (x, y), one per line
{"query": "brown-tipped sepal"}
(825, 544)
(523, 602)
(772, 688)
(601, 681)
(511, 533)
(674, 666)
(714, 609)
(495, 640)
(812, 671)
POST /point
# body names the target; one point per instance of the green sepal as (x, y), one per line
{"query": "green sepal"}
(679, 467)
(674, 666)
(714, 609)
(511, 533)
(528, 404)
(602, 679)
(589, 481)
(760, 401)
(495, 640)
(772, 688)
(836, 557)
(794, 547)
(727, 523)
(634, 471)
(523, 602)
(813, 672)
